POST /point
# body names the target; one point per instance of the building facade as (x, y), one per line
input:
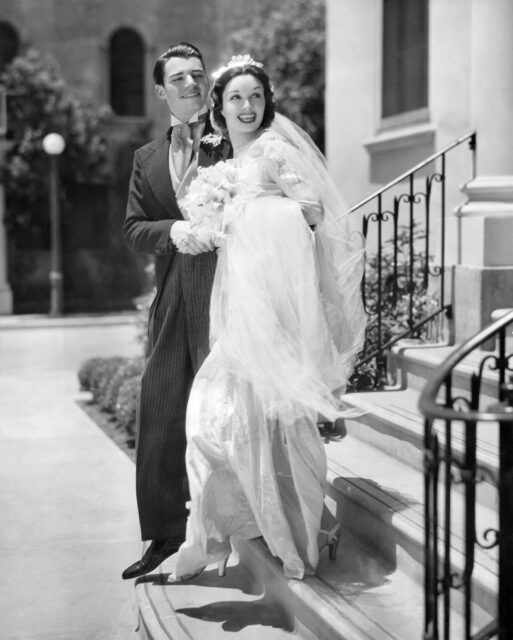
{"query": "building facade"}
(406, 78)
(106, 50)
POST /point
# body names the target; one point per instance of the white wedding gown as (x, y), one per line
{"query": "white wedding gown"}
(255, 460)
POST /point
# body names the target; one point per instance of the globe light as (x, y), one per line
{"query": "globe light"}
(54, 144)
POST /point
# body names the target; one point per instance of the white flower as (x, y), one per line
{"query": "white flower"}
(212, 139)
(212, 193)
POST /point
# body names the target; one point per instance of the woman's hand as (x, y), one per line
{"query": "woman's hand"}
(312, 211)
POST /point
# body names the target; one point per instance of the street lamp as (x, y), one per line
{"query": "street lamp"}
(54, 145)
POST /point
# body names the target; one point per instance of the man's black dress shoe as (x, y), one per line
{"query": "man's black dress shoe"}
(154, 555)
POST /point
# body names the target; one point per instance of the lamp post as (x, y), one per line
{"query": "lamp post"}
(54, 145)
(5, 289)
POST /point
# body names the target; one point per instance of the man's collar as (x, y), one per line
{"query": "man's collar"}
(194, 118)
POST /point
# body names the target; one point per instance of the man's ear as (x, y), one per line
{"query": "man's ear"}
(160, 91)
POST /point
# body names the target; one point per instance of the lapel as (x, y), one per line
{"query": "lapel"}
(209, 154)
(158, 175)
(158, 167)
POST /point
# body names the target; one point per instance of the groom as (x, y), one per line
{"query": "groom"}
(178, 329)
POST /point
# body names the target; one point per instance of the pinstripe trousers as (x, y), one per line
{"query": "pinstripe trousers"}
(178, 342)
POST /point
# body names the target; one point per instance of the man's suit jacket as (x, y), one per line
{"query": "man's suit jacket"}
(152, 207)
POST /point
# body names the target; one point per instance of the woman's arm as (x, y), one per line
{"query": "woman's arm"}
(283, 168)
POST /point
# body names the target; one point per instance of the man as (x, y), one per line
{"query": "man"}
(178, 330)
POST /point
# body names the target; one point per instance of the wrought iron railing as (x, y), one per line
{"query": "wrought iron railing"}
(405, 292)
(450, 466)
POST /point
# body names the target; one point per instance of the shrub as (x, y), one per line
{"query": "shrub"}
(102, 374)
(40, 101)
(86, 372)
(394, 304)
(128, 399)
(125, 371)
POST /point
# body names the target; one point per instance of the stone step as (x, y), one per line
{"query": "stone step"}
(209, 607)
(373, 591)
(379, 500)
(351, 597)
(355, 597)
(392, 423)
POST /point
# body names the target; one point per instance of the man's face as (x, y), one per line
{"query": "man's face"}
(185, 86)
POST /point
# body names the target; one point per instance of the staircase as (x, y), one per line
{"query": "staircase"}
(375, 485)
(374, 590)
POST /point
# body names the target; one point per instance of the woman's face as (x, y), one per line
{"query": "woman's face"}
(243, 105)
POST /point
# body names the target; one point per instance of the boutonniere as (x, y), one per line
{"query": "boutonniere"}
(211, 140)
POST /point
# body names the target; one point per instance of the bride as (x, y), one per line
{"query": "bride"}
(286, 324)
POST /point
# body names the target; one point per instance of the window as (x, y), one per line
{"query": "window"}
(405, 56)
(9, 44)
(126, 73)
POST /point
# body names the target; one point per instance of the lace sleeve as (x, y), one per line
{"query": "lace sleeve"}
(282, 168)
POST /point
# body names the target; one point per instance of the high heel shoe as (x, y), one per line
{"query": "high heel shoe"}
(332, 540)
(221, 566)
(221, 570)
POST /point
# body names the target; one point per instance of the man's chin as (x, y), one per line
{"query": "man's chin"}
(191, 105)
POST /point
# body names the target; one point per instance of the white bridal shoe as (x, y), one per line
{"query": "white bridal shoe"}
(221, 569)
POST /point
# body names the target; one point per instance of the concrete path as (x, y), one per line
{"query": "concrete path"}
(68, 517)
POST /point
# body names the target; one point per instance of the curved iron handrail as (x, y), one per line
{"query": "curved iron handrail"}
(447, 465)
(427, 403)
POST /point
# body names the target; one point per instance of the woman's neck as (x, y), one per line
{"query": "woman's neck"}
(241, 140)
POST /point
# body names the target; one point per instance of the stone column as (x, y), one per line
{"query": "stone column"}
(5, 289)
(483, 276)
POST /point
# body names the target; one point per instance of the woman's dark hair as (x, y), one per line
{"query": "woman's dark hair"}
(224, 79)
(181, 50)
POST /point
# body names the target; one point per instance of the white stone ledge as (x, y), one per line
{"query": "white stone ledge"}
(401, 138)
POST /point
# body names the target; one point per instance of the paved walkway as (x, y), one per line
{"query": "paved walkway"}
(68, 519)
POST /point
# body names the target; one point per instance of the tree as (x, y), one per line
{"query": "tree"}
(39, 102)
(289, 38)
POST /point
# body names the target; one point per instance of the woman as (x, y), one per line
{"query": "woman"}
(286, 323)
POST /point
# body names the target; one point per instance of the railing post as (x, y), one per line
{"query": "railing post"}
(431, 466)
(506, 519)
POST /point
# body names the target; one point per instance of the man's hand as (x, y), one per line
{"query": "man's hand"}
(187, 241)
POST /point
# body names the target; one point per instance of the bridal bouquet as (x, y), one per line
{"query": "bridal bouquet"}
(214, 190)
(213, 197)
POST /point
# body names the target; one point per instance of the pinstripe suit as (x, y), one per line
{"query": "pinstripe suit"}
(178, 333)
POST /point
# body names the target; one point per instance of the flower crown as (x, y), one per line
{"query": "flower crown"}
(237, 61)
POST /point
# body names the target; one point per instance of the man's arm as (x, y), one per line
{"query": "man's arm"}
(142, 232)
(145, 234)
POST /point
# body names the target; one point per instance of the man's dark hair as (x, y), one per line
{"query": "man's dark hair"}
(224, 79)
(180, 50)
